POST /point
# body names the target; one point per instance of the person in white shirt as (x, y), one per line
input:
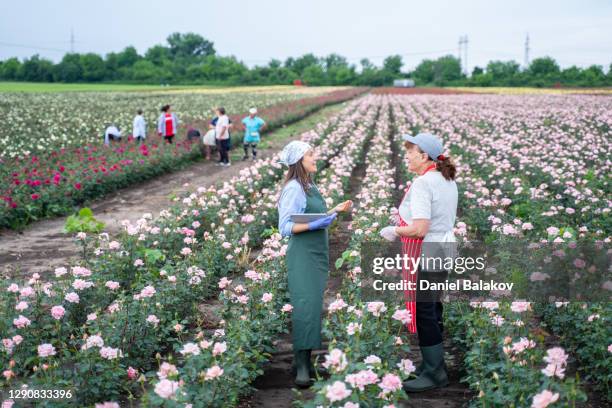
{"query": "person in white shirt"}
(426, 221)
(112, 132)
(223, 137)
(139, 127)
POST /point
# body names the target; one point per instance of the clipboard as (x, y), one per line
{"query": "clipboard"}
(306, 218)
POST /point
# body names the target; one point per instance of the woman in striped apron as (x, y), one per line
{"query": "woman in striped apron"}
(426, 220)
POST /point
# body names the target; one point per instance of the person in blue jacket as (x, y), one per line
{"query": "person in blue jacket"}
(252, 127)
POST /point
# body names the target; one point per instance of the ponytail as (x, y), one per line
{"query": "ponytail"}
(446, 166)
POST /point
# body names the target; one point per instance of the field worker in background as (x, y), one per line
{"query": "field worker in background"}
(112, 132)
(193, 134)
(252, 126)
(209, 140)
(167, 124)
(139, 127)
(223, 136)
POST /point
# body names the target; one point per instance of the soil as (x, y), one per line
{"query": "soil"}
(43, 246)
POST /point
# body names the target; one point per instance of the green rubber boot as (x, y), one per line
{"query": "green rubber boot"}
(419, 369)
(311, 368)
(434, 371)
(302, 362)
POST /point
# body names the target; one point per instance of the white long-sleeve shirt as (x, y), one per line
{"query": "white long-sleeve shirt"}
(111, 130)
(139, 127)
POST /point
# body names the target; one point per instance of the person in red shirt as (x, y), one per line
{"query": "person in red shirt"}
(167, 124)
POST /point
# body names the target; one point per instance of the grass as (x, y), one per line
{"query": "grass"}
(58, 87)
(43, 87)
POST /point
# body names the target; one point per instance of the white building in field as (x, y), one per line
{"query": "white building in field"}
(403, 83)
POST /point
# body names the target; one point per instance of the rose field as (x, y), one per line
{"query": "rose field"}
(189, 306)
(51, 152)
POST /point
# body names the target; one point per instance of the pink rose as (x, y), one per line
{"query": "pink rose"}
(46, 350)
(337, 391)
(132, 373)
(166, 388)
(213, 372)
(219, 348)
(57, 312)
(544, 399)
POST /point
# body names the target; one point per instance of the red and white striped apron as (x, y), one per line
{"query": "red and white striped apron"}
(412, 248)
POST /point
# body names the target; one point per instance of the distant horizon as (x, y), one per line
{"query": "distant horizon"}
(255, 33)
(604, 65)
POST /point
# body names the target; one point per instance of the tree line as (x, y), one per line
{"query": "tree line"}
(189, 59)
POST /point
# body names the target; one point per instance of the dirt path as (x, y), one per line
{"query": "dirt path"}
(275, 387)
(43, 246)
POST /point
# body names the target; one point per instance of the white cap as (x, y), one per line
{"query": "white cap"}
(253, 111)
(293, 152)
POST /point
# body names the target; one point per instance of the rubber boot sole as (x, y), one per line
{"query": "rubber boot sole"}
(431, 387)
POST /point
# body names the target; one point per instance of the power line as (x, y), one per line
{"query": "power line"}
(32, 47)
(407, 54)
(463, 44)
(71, 40)
(527, 51)
(460, 45)
(466, 56)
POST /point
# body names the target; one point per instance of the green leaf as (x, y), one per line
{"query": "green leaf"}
(83, 222)
(85, 213)
(339, 263)
(153, 255)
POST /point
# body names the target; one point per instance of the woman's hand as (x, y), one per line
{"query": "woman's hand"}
(389, 233)
(394, 218)
(321, 222)
(343, 207)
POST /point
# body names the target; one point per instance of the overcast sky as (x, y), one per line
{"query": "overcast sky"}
(573, 32)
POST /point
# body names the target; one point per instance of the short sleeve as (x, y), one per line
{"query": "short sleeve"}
(244, 121)
(261, 122)
(420, 200)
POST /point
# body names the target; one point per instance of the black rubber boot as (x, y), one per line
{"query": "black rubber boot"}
(433, 374)
(302, 362)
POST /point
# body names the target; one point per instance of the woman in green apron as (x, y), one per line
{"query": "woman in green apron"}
(307, 255)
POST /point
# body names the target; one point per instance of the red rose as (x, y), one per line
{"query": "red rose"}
(77, 186)
(35, 196)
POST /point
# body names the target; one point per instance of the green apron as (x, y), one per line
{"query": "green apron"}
(307, 266)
